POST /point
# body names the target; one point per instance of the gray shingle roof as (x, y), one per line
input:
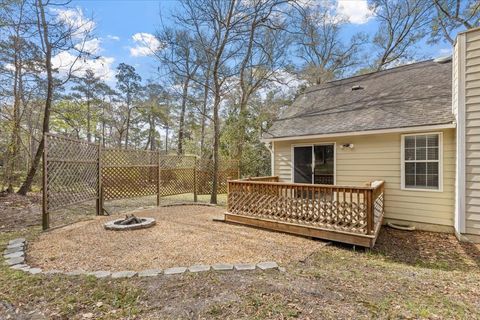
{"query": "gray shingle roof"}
(412, 95)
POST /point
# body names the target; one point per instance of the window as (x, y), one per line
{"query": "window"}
(421, 161)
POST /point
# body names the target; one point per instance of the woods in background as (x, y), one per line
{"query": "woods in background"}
(226, 69)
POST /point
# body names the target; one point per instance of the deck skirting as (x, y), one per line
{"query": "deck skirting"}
(363, 240)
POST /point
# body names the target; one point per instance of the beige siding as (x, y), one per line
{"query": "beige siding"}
(472, 130)
(377, 157)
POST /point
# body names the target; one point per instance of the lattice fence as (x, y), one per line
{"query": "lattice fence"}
(71, 173)
(77, 171)
(129, 173)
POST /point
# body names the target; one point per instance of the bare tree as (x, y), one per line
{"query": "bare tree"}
(216, 25)
(178, 55)
(324, 53)
(402, 24)
(19, 62)
(55, 35)
(451, 16)
(264, 52)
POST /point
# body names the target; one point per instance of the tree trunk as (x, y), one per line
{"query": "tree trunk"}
(89, 133)
(13, 147)
(204, 112)
(216, 142)
(181, 124)
(128, 127)
(27, 184)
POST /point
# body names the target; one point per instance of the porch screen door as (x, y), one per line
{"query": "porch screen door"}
(303, 159)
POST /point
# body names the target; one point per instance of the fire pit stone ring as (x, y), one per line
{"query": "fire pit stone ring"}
(116, 226)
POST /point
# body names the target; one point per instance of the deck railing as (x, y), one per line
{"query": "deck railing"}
(348, 209)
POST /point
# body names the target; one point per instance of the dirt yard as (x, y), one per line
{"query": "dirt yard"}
(408, 275)
(182, 236)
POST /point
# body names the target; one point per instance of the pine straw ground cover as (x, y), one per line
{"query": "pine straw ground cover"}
(407, 275)
(182, 236)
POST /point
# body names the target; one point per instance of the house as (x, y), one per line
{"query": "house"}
(416, 127)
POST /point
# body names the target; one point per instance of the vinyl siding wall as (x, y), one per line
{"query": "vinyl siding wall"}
(472, 130)
(377, 157)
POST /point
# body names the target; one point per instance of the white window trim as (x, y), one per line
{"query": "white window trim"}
(292, 147)
(440, 162)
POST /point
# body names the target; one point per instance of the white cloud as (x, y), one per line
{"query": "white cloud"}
(114, 38)
(356, 12)
(102, 66)
(75, 18)
(90, 46)
(145, 44)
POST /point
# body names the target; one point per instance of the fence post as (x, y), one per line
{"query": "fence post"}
(99, 204)
(45, 213)
(195, 179)
(158, 179)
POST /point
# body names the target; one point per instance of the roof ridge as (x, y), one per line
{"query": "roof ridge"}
(333, 82)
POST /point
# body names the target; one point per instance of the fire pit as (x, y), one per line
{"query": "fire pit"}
(130, 222)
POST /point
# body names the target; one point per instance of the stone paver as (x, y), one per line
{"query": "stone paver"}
(13, 261)
(75, 273)
(35, 270)
(12, 250)
(100, 274)
(150, 273)
(244, 266)
(175, 270)
(15, 245)
(20, 266)
(199, 268)
(267, 265)
(18, 240)
(14, 255)
(123, 274)
(282, 269)
(222, 267)
(53, 272)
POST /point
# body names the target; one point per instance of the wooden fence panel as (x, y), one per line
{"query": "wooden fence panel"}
(129, 173)
(70, 173)
(76, 171)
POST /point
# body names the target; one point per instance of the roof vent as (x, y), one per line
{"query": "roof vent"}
(357, 87)
(444, 59)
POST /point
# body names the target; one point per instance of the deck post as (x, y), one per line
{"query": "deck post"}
(45, 213)
(370, 213)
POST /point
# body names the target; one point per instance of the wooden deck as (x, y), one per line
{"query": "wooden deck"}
(349, 214)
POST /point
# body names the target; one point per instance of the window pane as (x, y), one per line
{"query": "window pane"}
(432, 168)
(432, 153)
(420, 180)
(432, 180)
(421, 168)
(409, 154)
(432, 140)
(421, 154)
(421, 141)
(410, 180)
(409, 168)
(410, 142)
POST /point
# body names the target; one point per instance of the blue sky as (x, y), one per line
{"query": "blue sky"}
(118, 23)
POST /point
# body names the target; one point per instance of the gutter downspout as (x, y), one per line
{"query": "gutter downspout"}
(271, 147)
